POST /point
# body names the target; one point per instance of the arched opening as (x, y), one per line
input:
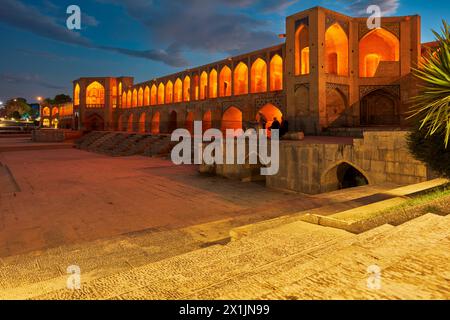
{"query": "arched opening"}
(213, 84)
(55, 123)
(225, 82)
(173, 121)
(46, 112)
(124, 100)
(130, 123)
(147, 96)
(178, 91)
(153, 95)
(161, 93)
(187, 89)
(189, 123)
(258, 76)
(276, 73)
(336, 51)
(270, 112)
(155, 123)
(336, 107)
(343, 176)
(94, 122)
(55, 111)
(196, 87)
(120, 123)
(129, 98)
(76, 95)
(380, 108)
(140, 102)
(169, 92)
(120, 89)
(95, 94)
(232, 119)
(375, 48)
(241, 79)
(142, 123)
(46, 123)
(207, 120)
(301, 50)
(203, 85)
(135, 98)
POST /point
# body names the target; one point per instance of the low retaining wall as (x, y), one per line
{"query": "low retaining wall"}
(48, 135)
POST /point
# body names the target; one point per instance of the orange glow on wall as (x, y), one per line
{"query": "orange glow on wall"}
(147, 96)
(169, 92)
(142, 123)
(46, 112)
(187, 89)
(375, 47)
(46, 123)
(55, 111)
(130, 123)
(241, 79)
(258, 78)
(178, 91)
(95, 94)
(302, 50)
(155, 123)
(336, 51)
(76, 95)
(207, 120)
(196, 87)
(270, 112)
(140, 97)
(66, 110)
(203, 85)
(135, 98)
(213, 84)
(124, 100)
(276, 73)
(129, 98)
(161, 93)
(232, 119)
(153, 95)
(225, 82)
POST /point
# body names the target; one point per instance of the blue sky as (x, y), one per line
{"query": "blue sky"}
(151, 38)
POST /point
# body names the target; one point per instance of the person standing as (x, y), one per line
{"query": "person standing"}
(284, 127)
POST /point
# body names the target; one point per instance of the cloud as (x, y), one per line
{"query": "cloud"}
(28, 79)
(359, 7)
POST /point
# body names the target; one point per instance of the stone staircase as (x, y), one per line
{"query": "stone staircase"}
(293, 261)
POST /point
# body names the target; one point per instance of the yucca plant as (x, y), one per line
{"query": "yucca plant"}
(432, 106)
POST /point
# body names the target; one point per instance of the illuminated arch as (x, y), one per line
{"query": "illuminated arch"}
(55, 123)
(130, 123)
(232, 119)
(120, 123)
(196, 87)
(46, 112)
(153, 95)
(140, 97)
(189, 123)
(225, 82)
(258, 76)
(161, 93)
(203, 85)
(213, 84)
(178, 91)
(173, 121)
(46, 123)
(135, 98)
(76, 95)
(169, 92)
(120, 89)
(270, 112)
(155, 123)
(301, 50)
(336, 50)
(95, 94)
(276, 73)
(240, 79)
(55, 111)
(124, 100)
(129, 98)
(207, 120)
(142, 123)
(147, 96)
(187, 89)
(375, 47)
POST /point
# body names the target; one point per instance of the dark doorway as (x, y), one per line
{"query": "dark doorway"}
(350, 177)
(172, 121)
(380, 108)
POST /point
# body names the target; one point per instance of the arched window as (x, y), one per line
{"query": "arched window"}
(55, 111)
(76, 95)
(207, 120)
(155, 123)
(276, 73)
(46, 123)
(147, 96)
(225, 82)
(376, 47)
(232, 119)
(120, 94)
(46, 112)
(213, 84)
(169, 92)
(258, 76)
(153, 95)
(129, 98)
(203, 85)
(336, 51)
(187, 89)
(135, 98)
(196, 87)
(178, 91)
(140, 97)
(241, 79)
(161, 93)
(95, 94)
(142, 123)
(270, 112)
(301, 50)
(124, 100)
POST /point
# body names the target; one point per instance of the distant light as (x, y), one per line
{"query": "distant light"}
(39, 98)
(282, 35)
(15, 100)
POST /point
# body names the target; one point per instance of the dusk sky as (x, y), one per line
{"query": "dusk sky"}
(151, 38)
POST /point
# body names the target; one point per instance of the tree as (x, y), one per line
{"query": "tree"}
(17, 107)
(58, 99)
